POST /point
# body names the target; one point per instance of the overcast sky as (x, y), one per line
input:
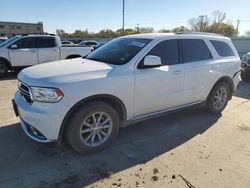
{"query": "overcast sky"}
(101, 14)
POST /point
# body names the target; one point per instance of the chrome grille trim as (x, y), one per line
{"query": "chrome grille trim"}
(25, 92)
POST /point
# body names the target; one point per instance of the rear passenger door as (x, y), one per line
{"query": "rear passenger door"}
(48, 50)
(160, 88)
(196, 57)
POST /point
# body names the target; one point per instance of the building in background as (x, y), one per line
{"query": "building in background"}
(242, 44)
(19, 28)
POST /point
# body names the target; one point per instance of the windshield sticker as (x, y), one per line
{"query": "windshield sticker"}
(138, 44)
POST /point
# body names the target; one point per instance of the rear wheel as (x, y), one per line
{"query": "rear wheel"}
(218, 98)
(3, 69)
(92, 127)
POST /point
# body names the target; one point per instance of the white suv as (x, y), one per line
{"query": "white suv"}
(86, 100)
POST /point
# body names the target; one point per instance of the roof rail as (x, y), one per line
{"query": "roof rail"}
(38, 34)
(199, 33)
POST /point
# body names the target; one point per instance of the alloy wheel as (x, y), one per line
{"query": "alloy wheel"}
(96, 129)
(220, 98)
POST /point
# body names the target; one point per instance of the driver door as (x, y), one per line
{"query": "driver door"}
(160, 88)
(23, 52)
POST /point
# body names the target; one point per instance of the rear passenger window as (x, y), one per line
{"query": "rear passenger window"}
(167, 51)
(195, 50)
(222, 48)
(46, 42)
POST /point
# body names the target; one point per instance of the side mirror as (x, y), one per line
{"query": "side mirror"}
(13, 46)
(151, 61)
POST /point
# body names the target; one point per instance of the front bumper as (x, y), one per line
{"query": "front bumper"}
(33, 133)
(40, 121)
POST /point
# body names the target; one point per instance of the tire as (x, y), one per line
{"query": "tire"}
(83, 120)
(218, 98)
(244, 76)
(3, 69)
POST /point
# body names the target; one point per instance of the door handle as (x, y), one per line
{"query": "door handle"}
(32, 51)
(177, 72)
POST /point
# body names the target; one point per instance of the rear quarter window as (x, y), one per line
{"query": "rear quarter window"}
(222, 48)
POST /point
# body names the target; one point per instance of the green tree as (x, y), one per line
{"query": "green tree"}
(199, 24)
(180, 29)
(217, 25)
(225, 29)
(106, 33)
(130, 31)
(61, 33)
(165, 31)
(119, 32)
(146, 29)
(80, 34)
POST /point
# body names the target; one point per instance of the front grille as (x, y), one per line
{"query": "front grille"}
(25, 92)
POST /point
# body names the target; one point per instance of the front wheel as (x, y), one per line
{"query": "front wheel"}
(3, 69)
(92, 127)
(218, 98)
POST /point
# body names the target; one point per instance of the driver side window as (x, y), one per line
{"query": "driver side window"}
(28, 42)
(168, 52)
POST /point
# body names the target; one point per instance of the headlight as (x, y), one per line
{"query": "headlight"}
(50, 95)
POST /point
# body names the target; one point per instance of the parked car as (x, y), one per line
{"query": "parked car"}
(245, 66)
(3, 37)
(99, 45)
(88, 43)
(2, 40)
(67, 42)
(23, 51)
(130, 79)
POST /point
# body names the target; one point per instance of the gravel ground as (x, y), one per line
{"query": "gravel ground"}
(185, 149)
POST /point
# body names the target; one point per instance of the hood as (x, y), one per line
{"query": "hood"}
(65, 71)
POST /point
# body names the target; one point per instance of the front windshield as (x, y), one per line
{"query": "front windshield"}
(119, 51)
(8, 41)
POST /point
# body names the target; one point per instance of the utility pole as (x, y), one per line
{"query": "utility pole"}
(138, 28)
(202, 19)
(237, 28)
(123, 16)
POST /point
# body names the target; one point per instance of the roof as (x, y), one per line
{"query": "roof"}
(36, 35)
(169, 35)
(6, 22)
(149, 35)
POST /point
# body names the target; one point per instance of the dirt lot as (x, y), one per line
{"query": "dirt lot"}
(185, 149)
